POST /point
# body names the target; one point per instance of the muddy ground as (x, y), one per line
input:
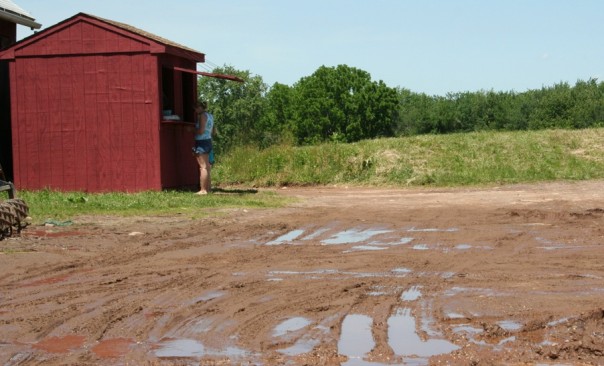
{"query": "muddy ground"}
(510, 275)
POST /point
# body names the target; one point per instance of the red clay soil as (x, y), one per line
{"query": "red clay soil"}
(510, 275)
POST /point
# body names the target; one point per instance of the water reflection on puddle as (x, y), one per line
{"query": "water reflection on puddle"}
(354, 236)
(193, 348)
(181, 348)
(316, 234)
(404, 340)
(420, 247)
(210, 295)
(289, 237)
(356, 339)
(402, 270)
(411, 294)
(290, 325)
(364, 247)
(368, 239)
(433, 230)
(300, 347)
(453, 291)
(510, 325)
(468, 329)
(553, 323)
(293, 327)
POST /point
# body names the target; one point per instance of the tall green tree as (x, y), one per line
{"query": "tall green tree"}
(237, 107)
(552, 107)
(588, 108)
(277, 123)
(414, 113)
(342, 104)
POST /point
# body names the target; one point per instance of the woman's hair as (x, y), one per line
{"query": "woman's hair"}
(203, 104)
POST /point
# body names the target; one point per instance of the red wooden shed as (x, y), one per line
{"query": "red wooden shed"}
(98, 105)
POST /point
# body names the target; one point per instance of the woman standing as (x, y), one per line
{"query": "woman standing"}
(205, 129)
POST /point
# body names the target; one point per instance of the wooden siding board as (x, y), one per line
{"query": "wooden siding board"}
(39, 119)
(39, 131)
(104, 177)
(139, 124)
(91, 111)
(128, 109)
(123, 44)
(152, 118)
(51, 138)
(58, 123)
(31, 150)
(72, 125)
(52, 155)
(79, 170)
(115, 123)
(62, 42)
(75, 39)
(18, 125)
(88, 38)
(112, 41)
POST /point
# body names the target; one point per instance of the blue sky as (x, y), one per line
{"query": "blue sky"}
(427, 46)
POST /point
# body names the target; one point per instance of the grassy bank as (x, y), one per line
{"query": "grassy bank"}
(482, 158)
(479, 158)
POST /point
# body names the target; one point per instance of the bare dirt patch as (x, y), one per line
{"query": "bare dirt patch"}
(509, 275)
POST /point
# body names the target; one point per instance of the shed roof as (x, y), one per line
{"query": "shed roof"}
(12, 12)
(159, 44)
(140, 32)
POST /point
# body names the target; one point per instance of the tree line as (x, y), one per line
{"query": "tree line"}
(343, 104)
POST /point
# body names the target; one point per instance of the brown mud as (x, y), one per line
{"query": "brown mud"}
(510, 275)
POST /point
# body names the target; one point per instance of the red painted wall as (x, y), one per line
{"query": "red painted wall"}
(86, 123)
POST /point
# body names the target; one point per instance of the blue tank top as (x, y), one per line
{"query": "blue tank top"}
(207, 133)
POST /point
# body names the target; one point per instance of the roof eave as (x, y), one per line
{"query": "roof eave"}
(179, 52)
(28, 22)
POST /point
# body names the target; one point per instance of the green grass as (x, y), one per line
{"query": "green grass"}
(61, 206)
(480, 158)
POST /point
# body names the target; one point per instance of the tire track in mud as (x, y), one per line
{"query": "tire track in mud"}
(104, 284)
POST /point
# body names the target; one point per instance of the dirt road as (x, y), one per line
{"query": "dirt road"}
(511, 275)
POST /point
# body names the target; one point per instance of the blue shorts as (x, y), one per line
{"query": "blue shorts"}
(202, 147)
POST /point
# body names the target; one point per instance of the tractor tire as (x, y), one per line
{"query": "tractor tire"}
(13, 215)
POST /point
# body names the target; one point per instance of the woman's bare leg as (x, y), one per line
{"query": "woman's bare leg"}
(204, 173)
